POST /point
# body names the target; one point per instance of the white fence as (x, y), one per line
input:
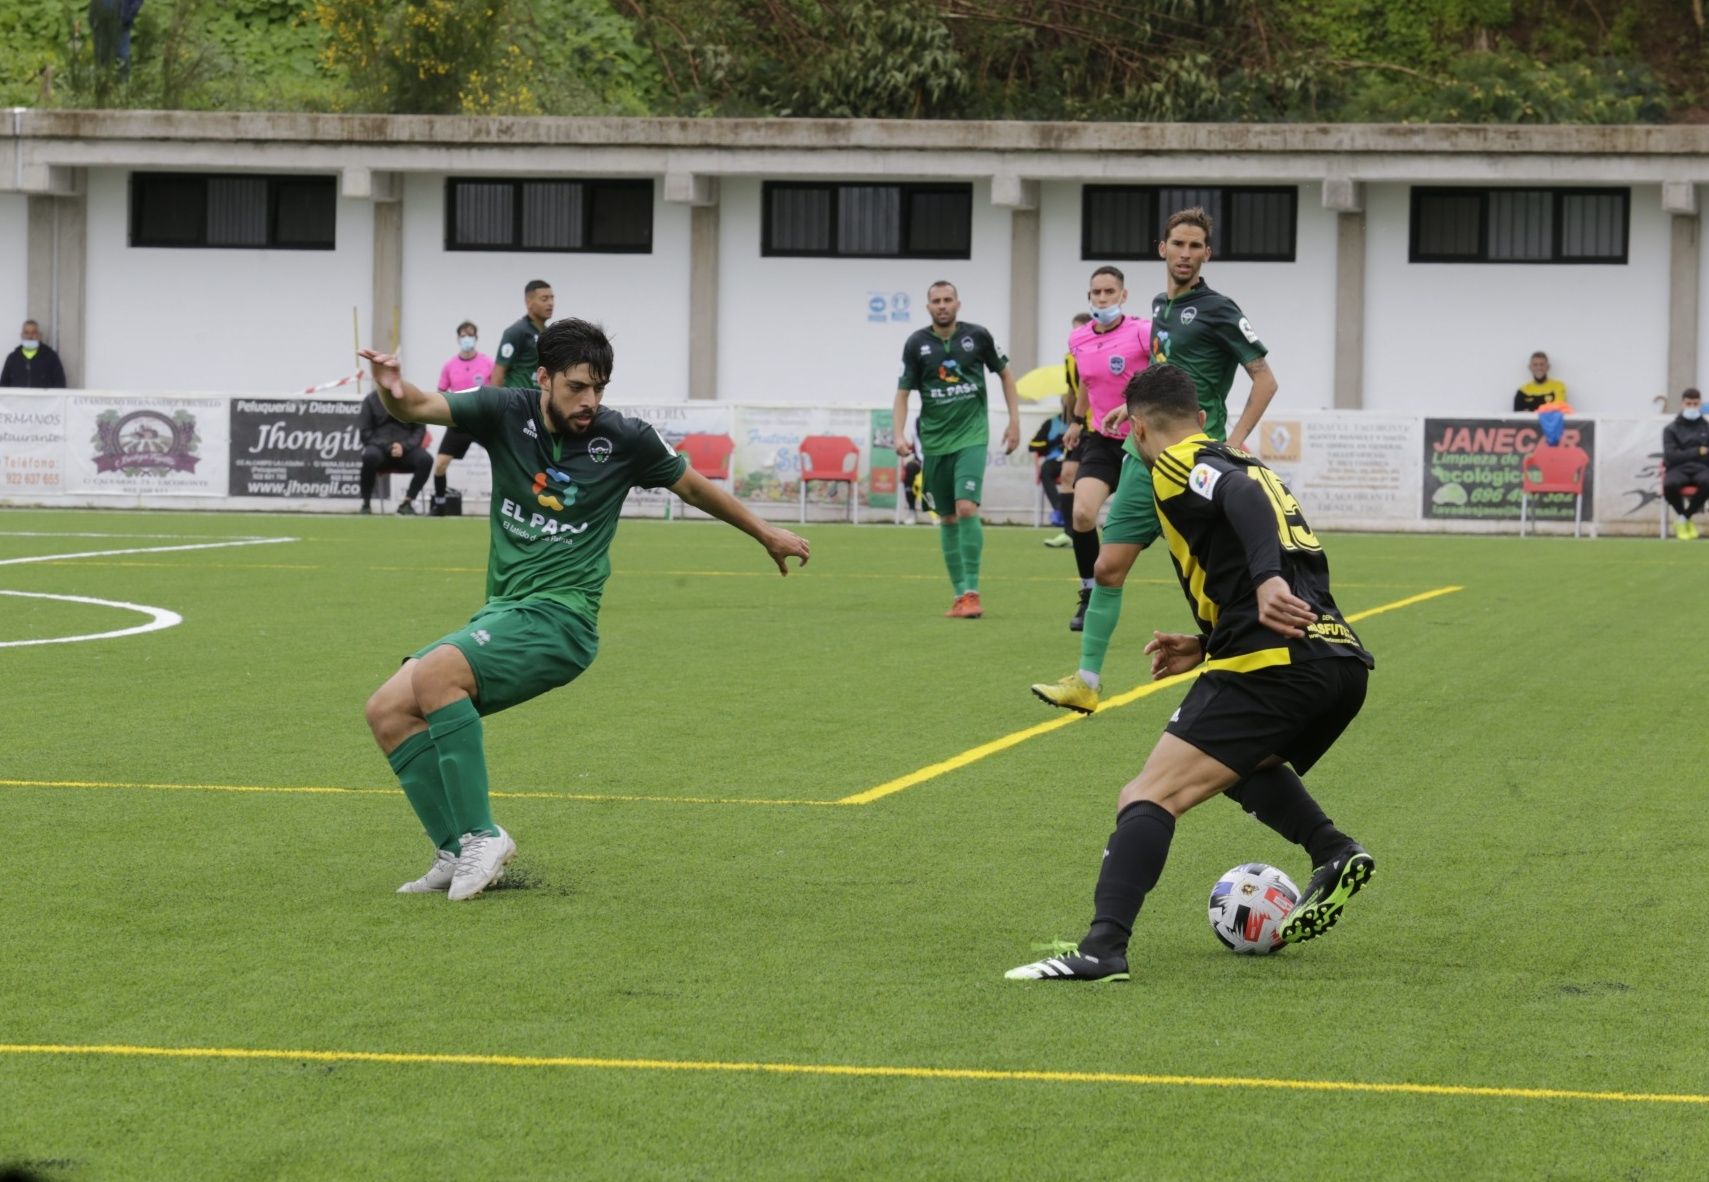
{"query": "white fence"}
(1350, 470)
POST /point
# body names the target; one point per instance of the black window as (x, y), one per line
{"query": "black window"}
(605, 216)
(1248, 224)
(1519, 225)
(851, 220)
(240, 210)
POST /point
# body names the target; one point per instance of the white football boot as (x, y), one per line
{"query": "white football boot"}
(481, 863)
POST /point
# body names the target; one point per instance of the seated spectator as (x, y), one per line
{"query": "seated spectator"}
(1048, 451)
(1685, 454)
(1541, 389)
(393, 445)
(33, 364)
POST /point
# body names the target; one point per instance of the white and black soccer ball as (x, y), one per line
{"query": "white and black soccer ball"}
(1248, 906)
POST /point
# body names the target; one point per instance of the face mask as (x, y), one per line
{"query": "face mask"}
(1106, 316)
(29, 346)
(1691, 412)
(466, 344)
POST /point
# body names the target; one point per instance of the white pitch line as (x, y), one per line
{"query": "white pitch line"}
(61, 533)
(143, 550)
(159, 618)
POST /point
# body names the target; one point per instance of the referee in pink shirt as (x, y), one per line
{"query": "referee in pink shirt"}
(468, 370)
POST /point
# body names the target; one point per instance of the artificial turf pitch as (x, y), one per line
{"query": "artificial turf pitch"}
(659, 990)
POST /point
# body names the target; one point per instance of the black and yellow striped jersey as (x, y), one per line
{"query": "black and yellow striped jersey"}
(1231, 524)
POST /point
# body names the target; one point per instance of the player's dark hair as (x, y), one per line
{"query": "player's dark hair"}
(1082, 318)
(28, 324)
(571, 342)
(1109, 270)
(1192, 216)
(1163, 393)
(534, 285)
(942, 283)
(1691, 392)
(470, 325)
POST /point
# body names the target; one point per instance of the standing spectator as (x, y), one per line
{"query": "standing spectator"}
(468, 370)
(1048, 448)
(1541, 389)
(33, 364)
(1685, 452)
(394, 445)
(110, 23)
(518, 348)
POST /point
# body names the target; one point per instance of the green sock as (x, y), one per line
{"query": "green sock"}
(972, 546)
(417, 768)
(949, 537)
(1103, 611)
(456, 731)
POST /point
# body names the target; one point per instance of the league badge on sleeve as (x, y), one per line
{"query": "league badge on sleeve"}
(1202, 480)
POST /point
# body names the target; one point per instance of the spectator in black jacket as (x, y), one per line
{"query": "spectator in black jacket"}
(395, 446)
(1685, 452)
(33, 364)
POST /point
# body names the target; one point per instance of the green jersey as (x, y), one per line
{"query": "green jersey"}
(556, 498)
(519, 353)
(1205, 333)
(950, 376)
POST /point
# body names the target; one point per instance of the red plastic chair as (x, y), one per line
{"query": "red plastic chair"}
(831, 459)
(1685, 490)
(708, 455)
(1553, 470)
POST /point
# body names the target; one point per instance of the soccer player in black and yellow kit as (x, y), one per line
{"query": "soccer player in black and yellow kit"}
(1283, 677)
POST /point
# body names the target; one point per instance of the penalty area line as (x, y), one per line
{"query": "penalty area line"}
(856, 1071)
(1015, 738)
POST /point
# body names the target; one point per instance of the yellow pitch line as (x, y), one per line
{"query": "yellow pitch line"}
(975, 754)
(319, 790)
(858, 1071)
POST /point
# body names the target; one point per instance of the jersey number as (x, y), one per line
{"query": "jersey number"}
(1290, 519)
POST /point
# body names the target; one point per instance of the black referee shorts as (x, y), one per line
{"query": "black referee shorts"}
(1100, 458)
(1294, 711)
(456, 443)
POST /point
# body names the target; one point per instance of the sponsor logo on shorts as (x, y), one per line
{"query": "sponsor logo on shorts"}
(1188, 315)
(599, 450)
(481, 635)
(968, 485)
(1202, 480)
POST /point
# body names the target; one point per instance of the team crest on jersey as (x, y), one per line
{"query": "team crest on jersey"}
(1202, 480)
(599, 450)
(1188, 315)
(967, 343)
(1117, 363)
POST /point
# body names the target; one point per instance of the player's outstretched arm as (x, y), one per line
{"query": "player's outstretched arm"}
(696, 490)
(403, 400)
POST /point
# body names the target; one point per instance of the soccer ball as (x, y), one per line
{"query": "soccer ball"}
(1248, 907)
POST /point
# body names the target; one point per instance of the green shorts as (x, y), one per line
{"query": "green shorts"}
(519, 649)
(954, 476)
(1132, 520)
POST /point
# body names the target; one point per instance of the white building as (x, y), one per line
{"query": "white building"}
(1404, 269)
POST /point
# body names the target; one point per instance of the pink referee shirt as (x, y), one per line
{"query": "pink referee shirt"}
(1107, 361)
(465, 375)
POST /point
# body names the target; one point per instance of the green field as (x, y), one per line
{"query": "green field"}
(206, 846)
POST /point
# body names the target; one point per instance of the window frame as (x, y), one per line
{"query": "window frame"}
(906, 190)
(1557, 195)
(516, 183)
(1153, 195)
(139, 180)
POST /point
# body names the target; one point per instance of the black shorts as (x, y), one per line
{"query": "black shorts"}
(1100, 458)
(1294, 711)
(456, 443)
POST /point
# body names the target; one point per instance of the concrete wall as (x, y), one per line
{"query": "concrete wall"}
(642, 299)
(243, 321)
(14, 252)
(1455, 338)
(799, 330)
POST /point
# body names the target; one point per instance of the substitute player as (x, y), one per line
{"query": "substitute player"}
(1284, 676)
(1205, 333)
(1107, 354)
(946, 363)
(562, 465)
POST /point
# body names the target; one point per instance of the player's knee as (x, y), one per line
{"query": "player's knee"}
(383, 713)
(966, 510)
(1085, 518)
(1110, 572)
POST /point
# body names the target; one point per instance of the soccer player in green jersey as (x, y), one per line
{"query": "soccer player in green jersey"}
(1207, 335)
(562, 465)
(518, 350)
(1283, 677)
(946, 363)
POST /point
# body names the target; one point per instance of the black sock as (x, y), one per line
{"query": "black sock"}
(439, 486)
(1133, 859)
(1085, 549)
(1277, 798)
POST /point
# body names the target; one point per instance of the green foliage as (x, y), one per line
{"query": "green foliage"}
(1508, 87)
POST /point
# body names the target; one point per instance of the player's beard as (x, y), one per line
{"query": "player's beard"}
(562, 425)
